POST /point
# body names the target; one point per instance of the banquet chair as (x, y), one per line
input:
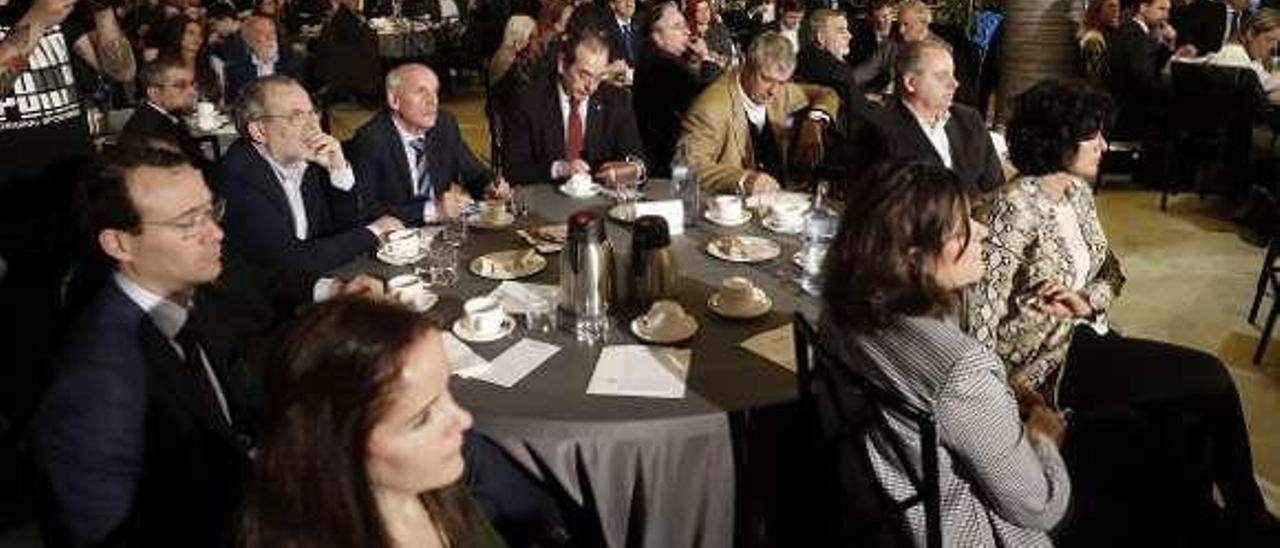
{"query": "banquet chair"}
(844, 410)
(1211, 139)
(1268, 280)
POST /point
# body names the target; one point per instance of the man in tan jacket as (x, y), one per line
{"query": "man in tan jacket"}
(736, 132)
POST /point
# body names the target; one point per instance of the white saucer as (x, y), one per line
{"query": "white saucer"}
(754, 249)
(500, 264)
(501, 222)
(463, 332)
(746, 216)
(678, 333)
(793, 199)
(428, 300)
(395, 260)
(592, 190)
(762, 305)
(772, 224)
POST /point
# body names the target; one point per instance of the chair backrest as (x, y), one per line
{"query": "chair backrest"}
(1214, 98)
(845, 409)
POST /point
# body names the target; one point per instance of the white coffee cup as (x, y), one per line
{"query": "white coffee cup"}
(579, 183)
(405, 242)
(493, 211)
(483, 315)
(727, 208)
(407, 288)
(664, 317)
(205, 112)
(786, 214)
(737, 293)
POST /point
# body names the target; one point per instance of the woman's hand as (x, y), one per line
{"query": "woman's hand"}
(1056, 300)
(1047, 422)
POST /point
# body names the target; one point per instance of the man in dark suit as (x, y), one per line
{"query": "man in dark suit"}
(671, 73)
(257, 55)
(923, 124)
(289, 187)
(821, 62)
(408, 156)
(1138, 53)
(171, 94)
(626, 38)
(1207, 24)
(870, 31)
(875, 73)
(569, 123)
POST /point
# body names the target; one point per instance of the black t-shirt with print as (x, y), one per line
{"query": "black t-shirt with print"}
(41, 118)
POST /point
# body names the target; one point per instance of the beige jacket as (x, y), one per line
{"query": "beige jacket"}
(715, 134)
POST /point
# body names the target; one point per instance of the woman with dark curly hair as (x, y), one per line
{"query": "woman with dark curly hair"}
(905, 246)
(1042, 307)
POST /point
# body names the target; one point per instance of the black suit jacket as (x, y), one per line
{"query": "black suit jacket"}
(1141, 92)
(535, 132)
(1201, 23)
(241, 71)
(664, 88)
(382, 168)
(149, 123)
(619, 46)
(817, 66)
(258, 219)
(893, 133)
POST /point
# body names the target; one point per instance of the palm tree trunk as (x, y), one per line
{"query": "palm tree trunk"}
(1039, 43)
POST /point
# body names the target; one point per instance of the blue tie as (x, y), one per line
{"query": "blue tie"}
(422, 186)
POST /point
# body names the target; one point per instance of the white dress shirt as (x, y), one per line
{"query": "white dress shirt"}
(169, 317)
(290, 179)
(793, 36)
(757, 114)
(936, 132)
(264, 67)
(564, 121)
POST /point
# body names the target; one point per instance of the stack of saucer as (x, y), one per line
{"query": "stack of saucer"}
(665, 322)
(740, 299)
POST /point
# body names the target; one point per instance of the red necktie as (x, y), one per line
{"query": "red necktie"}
(574, 149)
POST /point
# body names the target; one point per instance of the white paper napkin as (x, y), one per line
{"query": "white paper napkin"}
(517, 362)
(775, 345)
(639, 370)
(463, 361)
(518, 297)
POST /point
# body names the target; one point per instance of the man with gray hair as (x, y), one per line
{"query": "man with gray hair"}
(922, 123)
(877, 72)
(408, 157)
(736, 132)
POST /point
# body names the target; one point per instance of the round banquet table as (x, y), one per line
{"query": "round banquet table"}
(657, 472)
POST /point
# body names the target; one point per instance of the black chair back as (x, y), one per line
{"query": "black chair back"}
(845, 409)
(1212, 98)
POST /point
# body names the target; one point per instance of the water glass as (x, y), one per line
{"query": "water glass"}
(455, 231)
(540, 317)
(519, 203)
(442, 265)
(591, 327)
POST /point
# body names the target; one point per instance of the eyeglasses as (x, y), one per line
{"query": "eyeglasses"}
(296, 118)
(189, 224)
(177, 84)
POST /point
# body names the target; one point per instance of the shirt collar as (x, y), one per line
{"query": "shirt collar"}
(932, 125)
(1142, 25)
(166, 114)
(755, 112)
(405, 135)
(291, 173)
(168, 316)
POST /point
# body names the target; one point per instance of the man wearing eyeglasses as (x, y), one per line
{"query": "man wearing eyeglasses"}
(171, 94)
(288, 186)
(145, 436)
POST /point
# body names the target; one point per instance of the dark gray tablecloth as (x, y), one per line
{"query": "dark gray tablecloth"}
(659, 472)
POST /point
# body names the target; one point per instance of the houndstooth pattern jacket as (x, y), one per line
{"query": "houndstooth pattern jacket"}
(1024, 249)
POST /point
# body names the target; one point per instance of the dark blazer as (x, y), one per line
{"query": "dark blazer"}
(876, 71)
(535, 131)
(148, 123)
(346, 61)
(664, 88)
(892, 133)
(1201, 23)
(259, 221)
(818, 66)
(382, 168)
(619, 46)
(241, 71)
(129, 455)
(1140, 91)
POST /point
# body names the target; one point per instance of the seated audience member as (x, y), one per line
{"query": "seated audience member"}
(517, 38)
(905, 249)
(145, 435)
(788, 24)
(1208, 24)
(288, 186)
(922, 123)
(259, 54)
(362, 443)
(1042, 306)
(871, 30)
(170, 95)
(1257, 38)
(184, 39)
(821, 62)
(1101, 19)
(626, 37)
(705, 26)
(1138, 54)
(569, 123)
(223, 24)
(735, 133)
(876, 73)
(669, 76)
(345, 61)
(408, 157)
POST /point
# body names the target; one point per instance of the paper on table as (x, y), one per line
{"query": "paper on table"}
(640, 370)
(463, 362)
(516, 362)
(775, 345)
(517, 297)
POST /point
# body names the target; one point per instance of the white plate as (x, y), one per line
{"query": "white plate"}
(499, 264)
(680, 333)
(746, 216)
(592, 190)
(394, 260)
(762, 305)
(501, 222)
(772, 225)
(428, 300)
(754, 249)
(463, 332)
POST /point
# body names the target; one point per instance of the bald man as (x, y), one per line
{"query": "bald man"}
(258, 54)
(410, 155)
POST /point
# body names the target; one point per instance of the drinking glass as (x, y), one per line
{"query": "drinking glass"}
(519, 203)
(540, 316)
(442, 265)
(455, 231)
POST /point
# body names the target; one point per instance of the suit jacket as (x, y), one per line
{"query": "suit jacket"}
(130, 456)
(715, 133)
(535, 131)
(893, 133)
(876, 71)
(1140, 90)
(1201, 23)
(148, 123)
(240, 70)
(664, 88)
(382, 170)
(259, 221)
(619, 46)
(346, 57)
(820, 67)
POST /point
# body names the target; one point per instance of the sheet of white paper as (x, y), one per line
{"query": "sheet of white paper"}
(463, 362)
(517, 361)
(517, 296)
(775, 345)
(639, 370)
(672, 210)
